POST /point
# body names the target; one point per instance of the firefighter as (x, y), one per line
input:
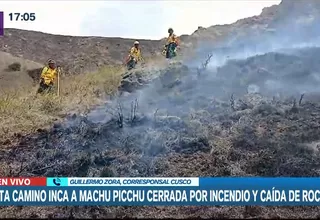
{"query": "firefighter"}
(171, 45)
(47, 77)
(134, 55)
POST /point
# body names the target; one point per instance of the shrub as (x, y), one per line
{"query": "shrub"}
(14, 67)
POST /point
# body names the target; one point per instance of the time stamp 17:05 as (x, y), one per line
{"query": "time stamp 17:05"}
(22, 16)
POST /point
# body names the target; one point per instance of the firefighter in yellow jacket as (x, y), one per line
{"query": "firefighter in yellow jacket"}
(47, 77)
(134, 55)
(171, 45)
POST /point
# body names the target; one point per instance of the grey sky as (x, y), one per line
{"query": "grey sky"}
(129, 19)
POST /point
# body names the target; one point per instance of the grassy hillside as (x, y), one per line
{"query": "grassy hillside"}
(13, 76)
(75, 54)
(23, 112)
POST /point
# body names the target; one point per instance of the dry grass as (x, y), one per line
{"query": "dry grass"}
(23, 112)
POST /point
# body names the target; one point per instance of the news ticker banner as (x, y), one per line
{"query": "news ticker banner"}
(1, 24)
(159, 191)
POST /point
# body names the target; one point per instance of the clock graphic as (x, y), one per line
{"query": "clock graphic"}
(22, 16)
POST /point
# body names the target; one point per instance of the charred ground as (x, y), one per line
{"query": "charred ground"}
(183, 123)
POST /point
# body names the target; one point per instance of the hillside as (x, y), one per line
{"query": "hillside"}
(75, 54)
(290, 21)
(285, 22)
(15, 79)
(206, 125)
(252, 110)
(187, 128)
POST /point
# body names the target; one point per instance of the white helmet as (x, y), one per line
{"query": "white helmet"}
(136, 42)
(51, 61)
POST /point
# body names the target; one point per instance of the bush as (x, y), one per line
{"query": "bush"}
(14, 67)
(35, 74)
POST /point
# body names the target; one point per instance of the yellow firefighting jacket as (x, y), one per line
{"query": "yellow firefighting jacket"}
(172, 39)
(136, 53)
(48, 75)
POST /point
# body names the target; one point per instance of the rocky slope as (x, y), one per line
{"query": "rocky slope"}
(75, 54)
(286, 22)
(290, 21)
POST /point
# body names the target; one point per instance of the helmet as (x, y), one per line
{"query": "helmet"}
(136, 42)
(170, 30)
(51, 61)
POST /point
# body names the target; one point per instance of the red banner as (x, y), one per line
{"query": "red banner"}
(23, 181)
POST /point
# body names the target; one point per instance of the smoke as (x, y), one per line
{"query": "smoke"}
(285, 61)
(173, 112)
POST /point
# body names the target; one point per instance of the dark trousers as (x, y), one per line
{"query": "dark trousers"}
(171, 50)
(131, 64)
(44, 87)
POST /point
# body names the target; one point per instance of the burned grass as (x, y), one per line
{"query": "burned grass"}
(188, 128)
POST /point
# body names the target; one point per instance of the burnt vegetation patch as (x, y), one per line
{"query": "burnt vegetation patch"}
(14, 67)
(178, 124)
